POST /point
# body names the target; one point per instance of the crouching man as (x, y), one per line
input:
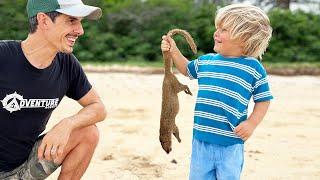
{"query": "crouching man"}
(35, 74)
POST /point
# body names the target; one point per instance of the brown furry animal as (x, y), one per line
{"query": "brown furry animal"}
(170, 89)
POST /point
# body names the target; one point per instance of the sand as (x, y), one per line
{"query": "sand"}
(286, 145)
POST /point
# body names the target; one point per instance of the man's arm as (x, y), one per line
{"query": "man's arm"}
(246, 128)
(92, 112)
(56, 139)
(181, 62)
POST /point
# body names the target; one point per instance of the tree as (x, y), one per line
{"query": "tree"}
(284, 4)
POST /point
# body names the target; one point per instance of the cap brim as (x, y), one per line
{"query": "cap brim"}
(85, 11)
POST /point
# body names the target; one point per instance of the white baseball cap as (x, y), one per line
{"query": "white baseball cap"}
(75, 8)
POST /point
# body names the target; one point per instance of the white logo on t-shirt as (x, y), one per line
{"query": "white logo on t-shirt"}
(15, 102)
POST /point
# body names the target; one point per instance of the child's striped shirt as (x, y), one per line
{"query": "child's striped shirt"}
(225, 88)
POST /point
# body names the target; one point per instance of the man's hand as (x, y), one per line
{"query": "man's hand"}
(54, 142)
(245, 129)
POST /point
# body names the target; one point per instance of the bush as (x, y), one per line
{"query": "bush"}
(132, 29)
(295, 37)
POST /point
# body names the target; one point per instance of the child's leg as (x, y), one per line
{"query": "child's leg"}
(230, 165)
(202, 162)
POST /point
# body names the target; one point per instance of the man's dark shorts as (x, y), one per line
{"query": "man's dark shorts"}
(31, 169)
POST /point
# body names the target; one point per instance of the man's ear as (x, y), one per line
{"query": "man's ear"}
(43, 21)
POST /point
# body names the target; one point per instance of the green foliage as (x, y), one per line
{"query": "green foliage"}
(295, 37)
(13, 19)
(132, 30)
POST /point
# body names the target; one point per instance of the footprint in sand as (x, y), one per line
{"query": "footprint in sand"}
(143, 168)
(123, 113)
(108, 157)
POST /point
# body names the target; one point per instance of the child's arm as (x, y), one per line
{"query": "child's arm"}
(181, 63)
(246, 128)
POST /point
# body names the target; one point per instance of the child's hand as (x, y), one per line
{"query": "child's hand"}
(168, 44)
(245, 129)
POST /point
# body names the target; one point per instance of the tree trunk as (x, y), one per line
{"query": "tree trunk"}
(285, 4)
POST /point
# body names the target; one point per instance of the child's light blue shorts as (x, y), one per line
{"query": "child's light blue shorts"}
(212, 161)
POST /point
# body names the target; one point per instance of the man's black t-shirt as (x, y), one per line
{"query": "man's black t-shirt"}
(29, 95)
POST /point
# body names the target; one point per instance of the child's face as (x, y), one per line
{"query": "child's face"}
(224, 45)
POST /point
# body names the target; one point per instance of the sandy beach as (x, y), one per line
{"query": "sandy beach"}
(286, 145)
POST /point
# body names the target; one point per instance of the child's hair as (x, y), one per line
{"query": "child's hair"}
(246, 23)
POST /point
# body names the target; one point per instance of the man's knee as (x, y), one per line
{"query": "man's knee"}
(91, 135)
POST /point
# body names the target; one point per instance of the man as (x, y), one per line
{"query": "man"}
(35, 75)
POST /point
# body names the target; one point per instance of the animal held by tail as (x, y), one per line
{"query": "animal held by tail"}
(170, 89)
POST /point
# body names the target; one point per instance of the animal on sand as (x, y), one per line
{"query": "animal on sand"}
(170, 89)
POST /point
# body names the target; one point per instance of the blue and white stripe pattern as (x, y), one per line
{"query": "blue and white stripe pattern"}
(225, 88)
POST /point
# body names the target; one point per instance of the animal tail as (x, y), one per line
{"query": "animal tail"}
(187, 36)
